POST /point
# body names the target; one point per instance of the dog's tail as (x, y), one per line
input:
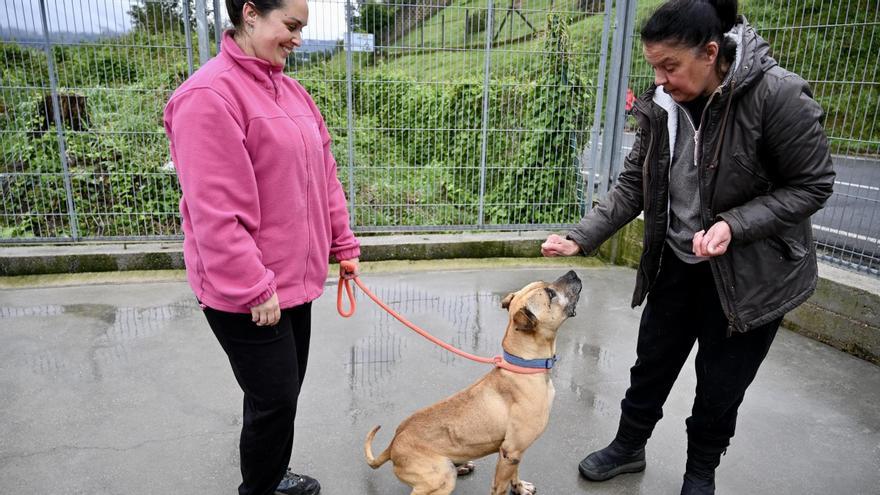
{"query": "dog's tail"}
(368, 451)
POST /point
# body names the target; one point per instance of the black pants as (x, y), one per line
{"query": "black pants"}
(269, 364)
(683, 307)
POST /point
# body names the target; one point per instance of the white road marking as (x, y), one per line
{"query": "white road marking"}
(847, 234)
(860, 186)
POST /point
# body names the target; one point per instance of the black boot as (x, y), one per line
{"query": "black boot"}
(702, 460)
(697, 486)
(296, 484)
(612, 460)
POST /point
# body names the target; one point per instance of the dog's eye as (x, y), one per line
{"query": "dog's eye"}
(550, 293)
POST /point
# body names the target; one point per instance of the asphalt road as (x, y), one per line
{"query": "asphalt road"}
(848, 228)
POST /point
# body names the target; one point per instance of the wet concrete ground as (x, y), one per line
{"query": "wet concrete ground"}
(122, 389)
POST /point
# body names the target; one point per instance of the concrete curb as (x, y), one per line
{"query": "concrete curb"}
(844, 312)
(125, 256)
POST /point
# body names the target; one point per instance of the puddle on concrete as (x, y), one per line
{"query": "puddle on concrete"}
(12, 312)
(139, 323)
(110, 342)
(455, 318)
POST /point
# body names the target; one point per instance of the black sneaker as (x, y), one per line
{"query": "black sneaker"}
(297, 484)
(697, 486)
(612, 460)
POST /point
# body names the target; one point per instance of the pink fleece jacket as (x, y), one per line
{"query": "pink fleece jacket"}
(262, 207)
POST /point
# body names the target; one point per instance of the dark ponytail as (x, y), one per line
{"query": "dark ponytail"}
(233, 9)
(691, 23)
(727, 12)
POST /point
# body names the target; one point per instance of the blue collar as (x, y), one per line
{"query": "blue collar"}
(546, 363)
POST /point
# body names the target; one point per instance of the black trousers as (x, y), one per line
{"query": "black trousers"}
(683, 307)
(269, 364)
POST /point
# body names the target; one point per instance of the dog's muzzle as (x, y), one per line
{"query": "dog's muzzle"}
(570, 285)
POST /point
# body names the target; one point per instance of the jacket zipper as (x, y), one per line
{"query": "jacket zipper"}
(647, 202)
(725, 300)
(308, 186)
(697, 160)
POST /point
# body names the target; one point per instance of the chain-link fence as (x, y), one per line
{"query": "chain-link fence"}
(446, 114)
(83, 152)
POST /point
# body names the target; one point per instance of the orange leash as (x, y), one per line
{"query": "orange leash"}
(497, 361)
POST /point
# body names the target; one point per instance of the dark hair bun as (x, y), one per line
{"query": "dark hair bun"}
(690, 22)
(727, 11)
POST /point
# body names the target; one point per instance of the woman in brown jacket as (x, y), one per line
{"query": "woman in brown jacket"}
(729, 163)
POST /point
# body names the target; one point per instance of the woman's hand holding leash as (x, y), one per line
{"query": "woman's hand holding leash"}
(350, 269)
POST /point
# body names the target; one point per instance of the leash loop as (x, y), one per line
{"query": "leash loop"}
(340, 302)
(497, 361)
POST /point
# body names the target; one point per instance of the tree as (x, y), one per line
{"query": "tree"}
(373, 16)
(159, 16)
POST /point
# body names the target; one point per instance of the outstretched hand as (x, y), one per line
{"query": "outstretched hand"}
(556, 245)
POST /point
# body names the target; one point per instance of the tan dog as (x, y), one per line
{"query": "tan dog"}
(503, 412)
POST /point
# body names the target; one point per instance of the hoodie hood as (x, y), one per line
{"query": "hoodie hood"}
(751, 60)
(752, 57)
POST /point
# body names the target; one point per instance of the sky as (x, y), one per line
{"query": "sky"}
(326, 17)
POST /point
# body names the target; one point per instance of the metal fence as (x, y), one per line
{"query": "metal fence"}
(446, 114)
(434, 125)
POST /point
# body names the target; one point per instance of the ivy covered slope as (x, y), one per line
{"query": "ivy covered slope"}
(419, 119)
(418, 113)
(112, 93)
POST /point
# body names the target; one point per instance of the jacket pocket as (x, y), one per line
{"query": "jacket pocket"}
(790, 248)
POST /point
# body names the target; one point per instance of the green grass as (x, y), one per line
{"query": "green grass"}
(836, 52)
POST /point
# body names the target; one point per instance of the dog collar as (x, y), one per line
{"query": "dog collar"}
(546, 363)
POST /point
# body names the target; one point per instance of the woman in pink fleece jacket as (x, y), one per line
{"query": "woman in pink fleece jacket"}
(262, 211)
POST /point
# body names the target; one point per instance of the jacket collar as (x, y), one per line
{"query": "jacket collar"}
(262, 71)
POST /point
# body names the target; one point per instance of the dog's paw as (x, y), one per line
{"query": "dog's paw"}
(522, 488)
(466, 468)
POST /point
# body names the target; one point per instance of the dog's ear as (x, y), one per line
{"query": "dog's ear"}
(524, 320)
(505, 303)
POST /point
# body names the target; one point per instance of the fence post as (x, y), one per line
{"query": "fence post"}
(187, 33)
(621, 55)
(218, 25)
(349, 92)
(202, 27)
(597, 113)
(56, 113)
(485, 131)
